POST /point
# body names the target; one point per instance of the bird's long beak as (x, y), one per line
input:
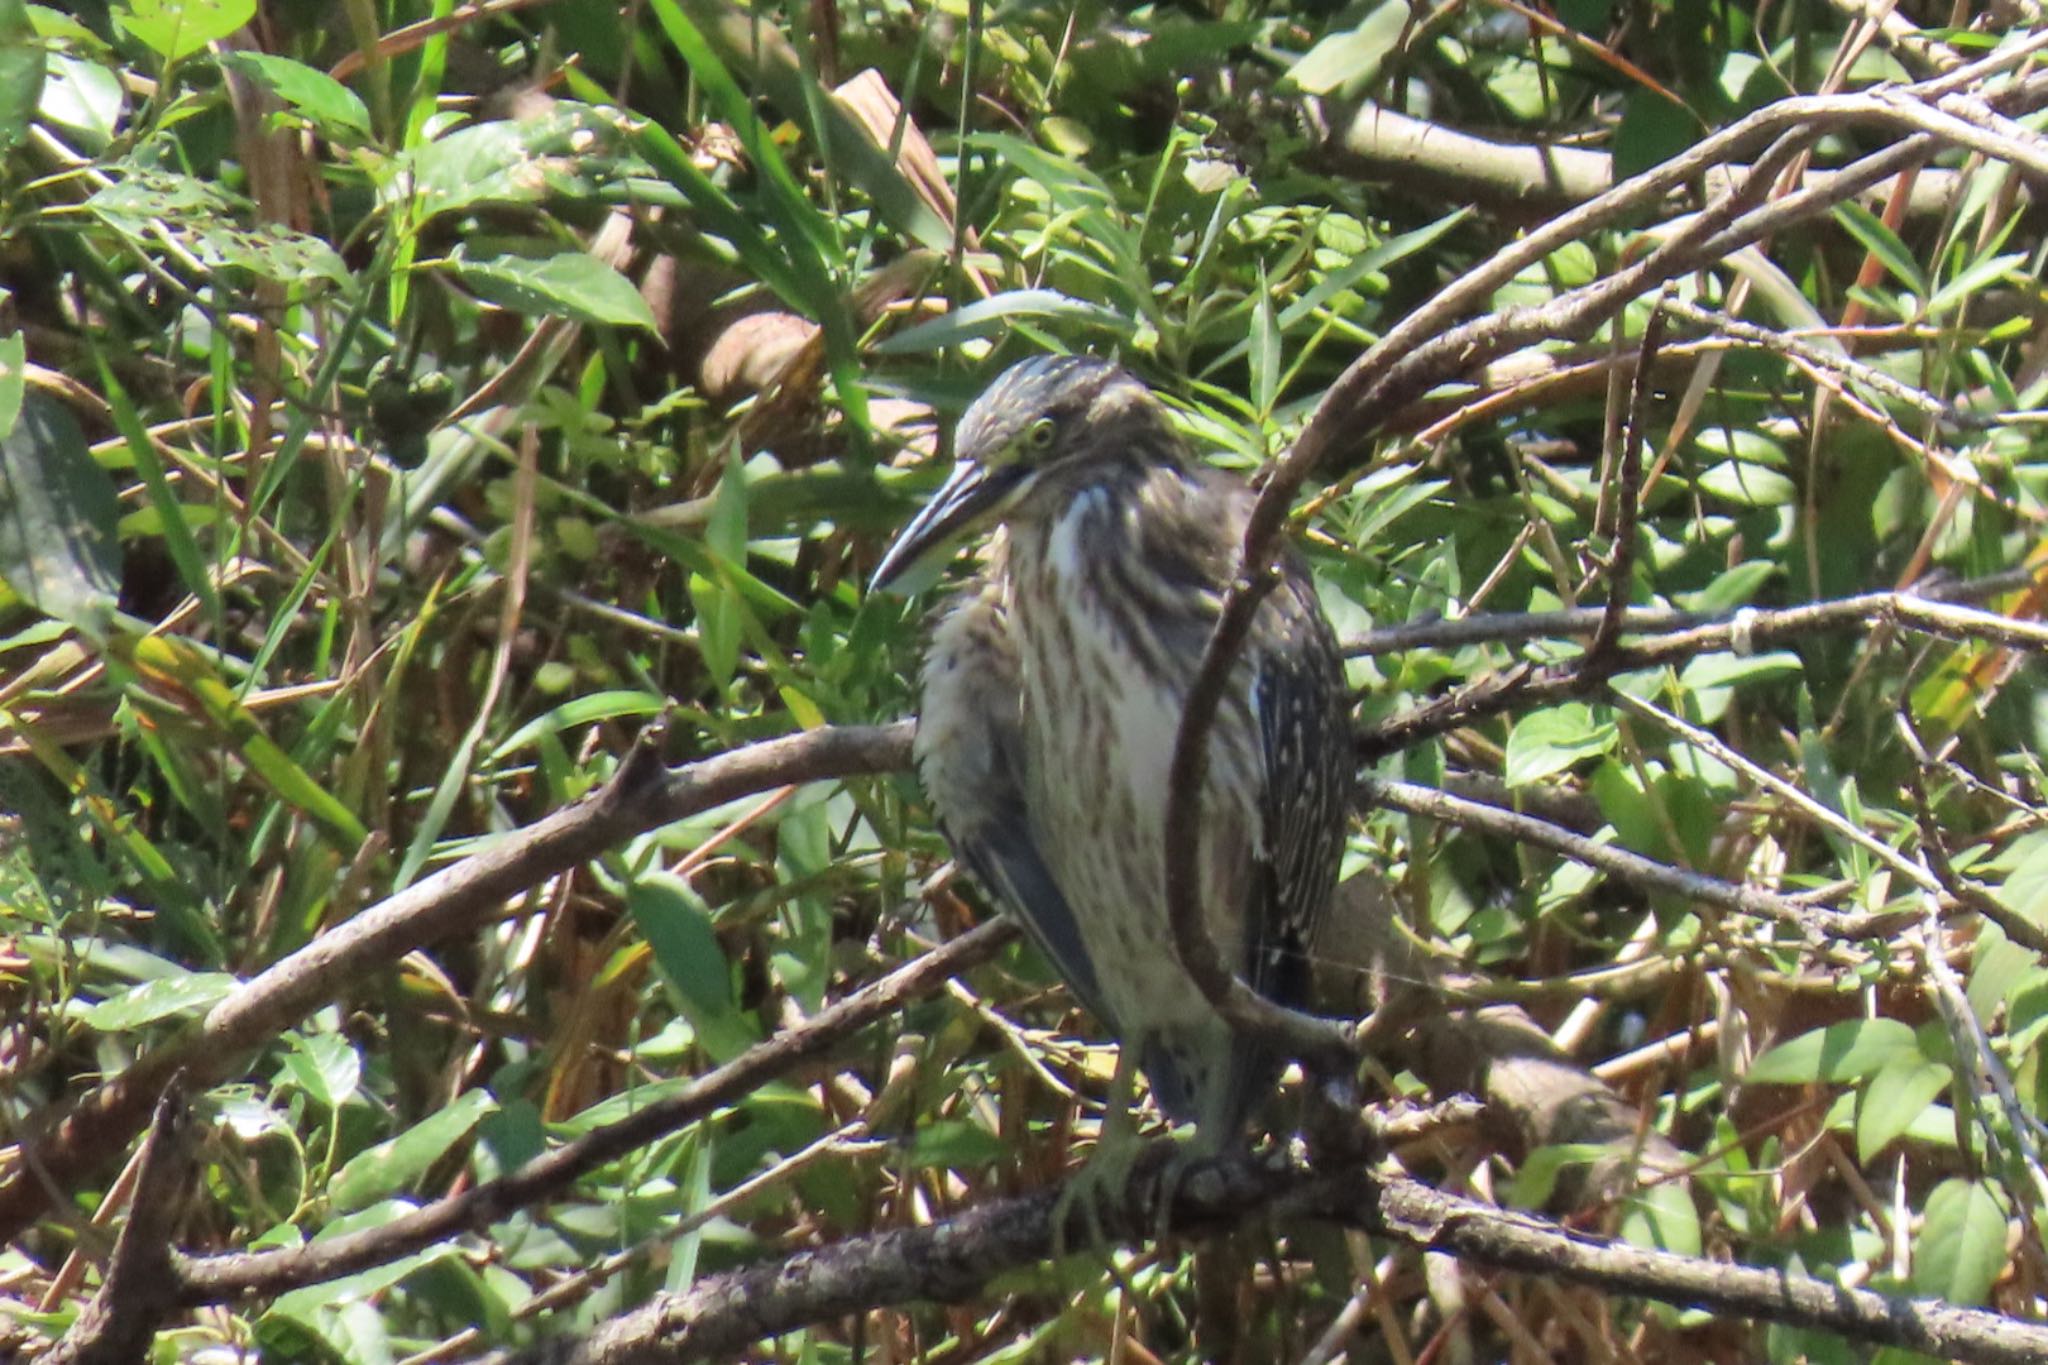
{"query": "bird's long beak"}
(969, 492)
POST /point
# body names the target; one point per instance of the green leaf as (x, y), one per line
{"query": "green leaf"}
(985, 317)
(395, 1165)
(1881, 242)
(175, 29)
(718, 626)
(1351, 58)
(1840, 1052)
(1960, 1251)
(180, 663)
(174, 520)
(726, 533)
(1974, 280)
(13, 380)
(1553, 739)
(674, 921)
(574, 284)
(193, 993)
(1662, 1218)
(566, 152)
(1897, 1095)
(314, 1304)
(955, 1144)
(751, 48)
(323, 1065)
(82, 100)
(1653, 130)
(1747, 485)
(317, 97)
(1266, 363)
(578, 712)
(24, 63)
(58, 513)
(1536, 1179)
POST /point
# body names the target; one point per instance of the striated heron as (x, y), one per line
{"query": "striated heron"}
(1051, 695)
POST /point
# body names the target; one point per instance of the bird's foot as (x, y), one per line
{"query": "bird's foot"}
(1098, 1196)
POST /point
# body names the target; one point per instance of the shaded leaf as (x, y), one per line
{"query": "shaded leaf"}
(574, 284)
(1840, 1052)
(58, 514)
(396, 1164)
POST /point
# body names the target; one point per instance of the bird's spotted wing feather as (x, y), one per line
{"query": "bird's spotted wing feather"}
(1300, 702)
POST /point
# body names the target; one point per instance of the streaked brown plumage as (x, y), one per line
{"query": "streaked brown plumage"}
(1050, 698)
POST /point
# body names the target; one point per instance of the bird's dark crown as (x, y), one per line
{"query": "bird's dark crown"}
(1051, 407)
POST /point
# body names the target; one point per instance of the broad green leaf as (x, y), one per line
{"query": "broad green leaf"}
(175, 29)
(673, 920)
(24, 62)
(574, 284)
(305, 1305)
(208, 222)
(1960, 1250)
(1749, 485)
(955, 1144)
(1662, 1218)
(1536, 1179)
(58, 512)
(1350, 58)
(570, 151)
(394, 1165)
(1897, 1095)
(1652, 131)
(1846, 1051)
(2025, 889)
(160, 999)
(324, 1065)
(320, 99)
(1727, 669)
(82, 100)
(1553, 739)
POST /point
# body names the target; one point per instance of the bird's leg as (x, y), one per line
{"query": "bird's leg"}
(1102, 1185)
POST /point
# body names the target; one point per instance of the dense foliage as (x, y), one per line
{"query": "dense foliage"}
(403, 405)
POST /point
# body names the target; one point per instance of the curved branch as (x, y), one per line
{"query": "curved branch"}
(1429, 347)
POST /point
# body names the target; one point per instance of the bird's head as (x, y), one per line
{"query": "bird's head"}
(1043, 417)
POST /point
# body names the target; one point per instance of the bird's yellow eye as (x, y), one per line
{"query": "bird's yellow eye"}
(1038, 436)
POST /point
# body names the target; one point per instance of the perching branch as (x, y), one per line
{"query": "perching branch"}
(954, 1260)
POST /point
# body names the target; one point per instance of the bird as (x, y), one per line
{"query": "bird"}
(1050, 698)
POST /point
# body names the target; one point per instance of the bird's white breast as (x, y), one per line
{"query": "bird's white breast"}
(1099, 733)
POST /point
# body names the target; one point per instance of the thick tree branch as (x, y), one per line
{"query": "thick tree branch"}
(954, 1260)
